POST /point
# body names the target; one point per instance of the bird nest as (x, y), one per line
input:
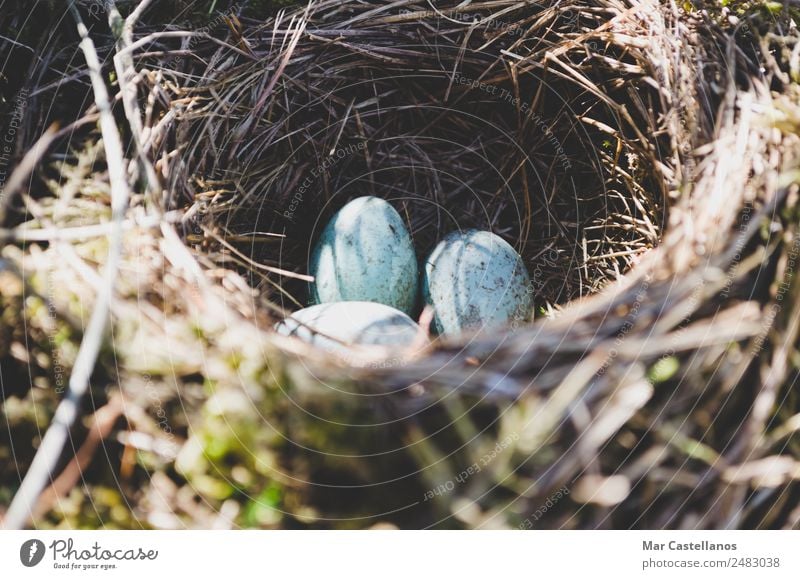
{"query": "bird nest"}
(583, 133)
(645, 193)
(523, 120)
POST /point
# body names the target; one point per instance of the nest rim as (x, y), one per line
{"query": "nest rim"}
(219, 222)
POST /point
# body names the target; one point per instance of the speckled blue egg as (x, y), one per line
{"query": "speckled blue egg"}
(365, 253)
(335, 326)
(475, 280)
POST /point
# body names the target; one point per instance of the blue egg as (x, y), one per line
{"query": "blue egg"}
(475, 280)
(365, 253)
(334, 327)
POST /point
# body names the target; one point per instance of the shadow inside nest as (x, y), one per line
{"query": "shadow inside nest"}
(459, 126)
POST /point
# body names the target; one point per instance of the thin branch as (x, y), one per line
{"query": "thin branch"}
(126, 73)
(42, 469)
(84, 232)
(24, 169)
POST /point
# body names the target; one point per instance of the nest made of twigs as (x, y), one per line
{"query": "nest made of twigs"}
(582, 132)
(509, 118)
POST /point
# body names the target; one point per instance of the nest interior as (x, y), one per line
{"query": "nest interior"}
(494, 118)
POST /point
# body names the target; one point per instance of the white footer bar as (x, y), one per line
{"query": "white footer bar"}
(401, 554)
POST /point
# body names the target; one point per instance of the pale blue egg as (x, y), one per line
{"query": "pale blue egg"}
(365, 253)
(335, 326)
(475, 280)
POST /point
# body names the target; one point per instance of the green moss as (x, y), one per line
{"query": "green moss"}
(265, 509)
(663, 370)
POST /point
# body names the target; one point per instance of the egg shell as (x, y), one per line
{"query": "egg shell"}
(334, 326)
(475, 280)
(365, 253)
